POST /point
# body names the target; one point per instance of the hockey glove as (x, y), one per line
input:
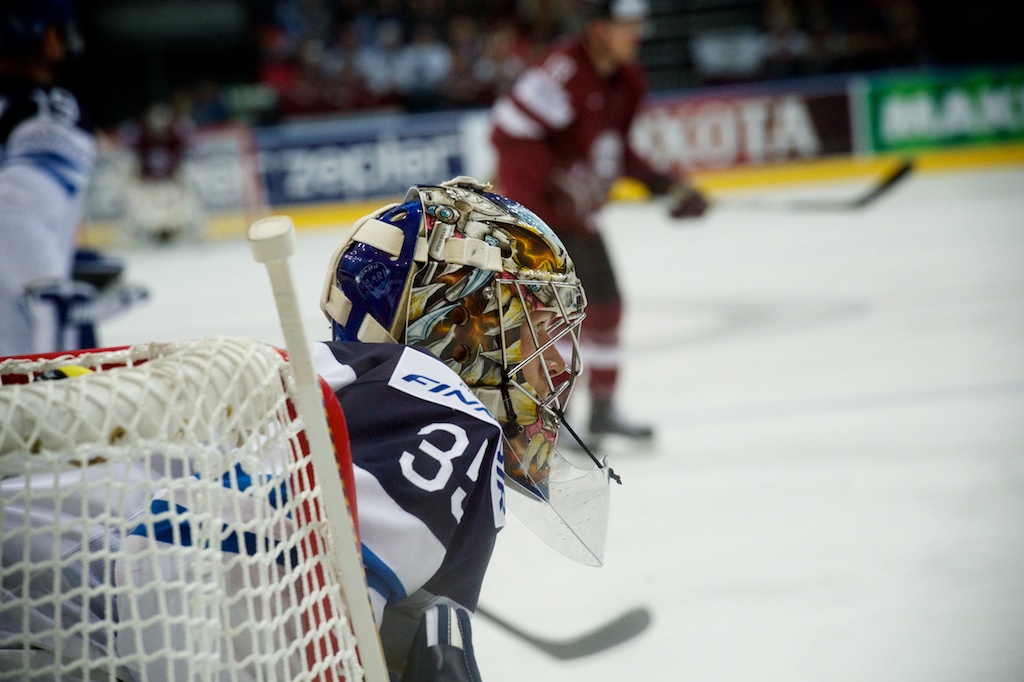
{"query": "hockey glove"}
(686, 202)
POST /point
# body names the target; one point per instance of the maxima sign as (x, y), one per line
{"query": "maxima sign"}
(932, 110)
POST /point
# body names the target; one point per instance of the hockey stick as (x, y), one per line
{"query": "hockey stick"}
(883, 185)
(611, 634)
(272, 241)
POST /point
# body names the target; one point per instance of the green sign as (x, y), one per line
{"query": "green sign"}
(945, 109)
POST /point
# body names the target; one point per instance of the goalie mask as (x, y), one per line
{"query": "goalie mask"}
(485, 285)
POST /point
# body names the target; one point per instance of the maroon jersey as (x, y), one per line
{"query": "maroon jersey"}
(161, 151)
(562, 137)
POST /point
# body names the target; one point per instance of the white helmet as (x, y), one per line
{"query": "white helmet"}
(477, 279)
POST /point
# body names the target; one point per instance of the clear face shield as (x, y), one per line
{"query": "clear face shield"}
(564, 494)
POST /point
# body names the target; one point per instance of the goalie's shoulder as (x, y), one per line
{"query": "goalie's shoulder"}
(397, 371)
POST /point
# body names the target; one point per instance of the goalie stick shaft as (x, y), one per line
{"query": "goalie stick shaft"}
(272, 241)
(611, 634)
(881, 186)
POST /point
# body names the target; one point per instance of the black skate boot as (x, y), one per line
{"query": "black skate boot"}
(605, 420)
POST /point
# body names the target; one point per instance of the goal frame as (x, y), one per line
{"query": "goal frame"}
(18, 369)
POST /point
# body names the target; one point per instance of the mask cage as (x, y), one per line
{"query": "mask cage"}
(564, 326)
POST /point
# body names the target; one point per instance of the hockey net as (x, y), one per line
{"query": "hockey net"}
(161, 520)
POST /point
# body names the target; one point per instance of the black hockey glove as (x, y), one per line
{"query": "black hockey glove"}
(687, 202)
(443, 648)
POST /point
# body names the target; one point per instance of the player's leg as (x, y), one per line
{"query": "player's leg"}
(600, 343)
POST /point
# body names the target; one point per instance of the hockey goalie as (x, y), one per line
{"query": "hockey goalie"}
(158, 563)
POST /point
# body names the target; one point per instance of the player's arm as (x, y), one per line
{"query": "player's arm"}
(525, 119)
(685, 199)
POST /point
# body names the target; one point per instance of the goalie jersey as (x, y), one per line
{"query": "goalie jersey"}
(428, 468)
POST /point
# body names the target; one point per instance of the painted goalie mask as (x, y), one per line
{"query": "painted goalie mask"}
(485, 285)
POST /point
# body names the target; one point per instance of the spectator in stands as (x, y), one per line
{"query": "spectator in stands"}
(318, 18)
(906, 45)
(466, 86)
(545, 21)
(825, 45)
(861, 26)
(278, 67)
(345, 87)
(459, 52)
(377, 62)
(207, 104)
(422, 69)
(434, 12)
(305, 93)
(785, 45)
(506, 55)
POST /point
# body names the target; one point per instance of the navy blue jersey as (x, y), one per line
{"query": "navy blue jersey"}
(428, 469)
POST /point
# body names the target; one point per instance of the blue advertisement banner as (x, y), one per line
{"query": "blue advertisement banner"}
(357, 159)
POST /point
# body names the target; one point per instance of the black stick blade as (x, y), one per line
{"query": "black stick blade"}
(887, 183)
(881, 186)
(611, 634)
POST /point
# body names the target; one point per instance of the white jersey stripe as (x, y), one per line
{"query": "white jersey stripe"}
(333, 372)
(539, 94)
(511, 119)
(398, 538)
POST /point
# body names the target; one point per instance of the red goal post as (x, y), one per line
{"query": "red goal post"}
(161, 519)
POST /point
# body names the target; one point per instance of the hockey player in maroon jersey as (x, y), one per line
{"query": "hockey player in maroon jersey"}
(562, 139)
(161, 202)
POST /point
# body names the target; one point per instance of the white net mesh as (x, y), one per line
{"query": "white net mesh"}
(160, 521)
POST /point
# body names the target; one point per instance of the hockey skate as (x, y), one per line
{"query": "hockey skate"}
(605, 420)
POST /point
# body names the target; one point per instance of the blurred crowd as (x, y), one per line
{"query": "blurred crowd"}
(325, 57)
(328, 56)
(813, 37)
(816, 36)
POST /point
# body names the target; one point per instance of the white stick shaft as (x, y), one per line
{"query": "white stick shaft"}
(310, 407)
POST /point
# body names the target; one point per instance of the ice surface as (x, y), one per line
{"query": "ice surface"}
(836, 492)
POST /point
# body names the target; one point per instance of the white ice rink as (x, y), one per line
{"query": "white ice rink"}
(836, 493)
